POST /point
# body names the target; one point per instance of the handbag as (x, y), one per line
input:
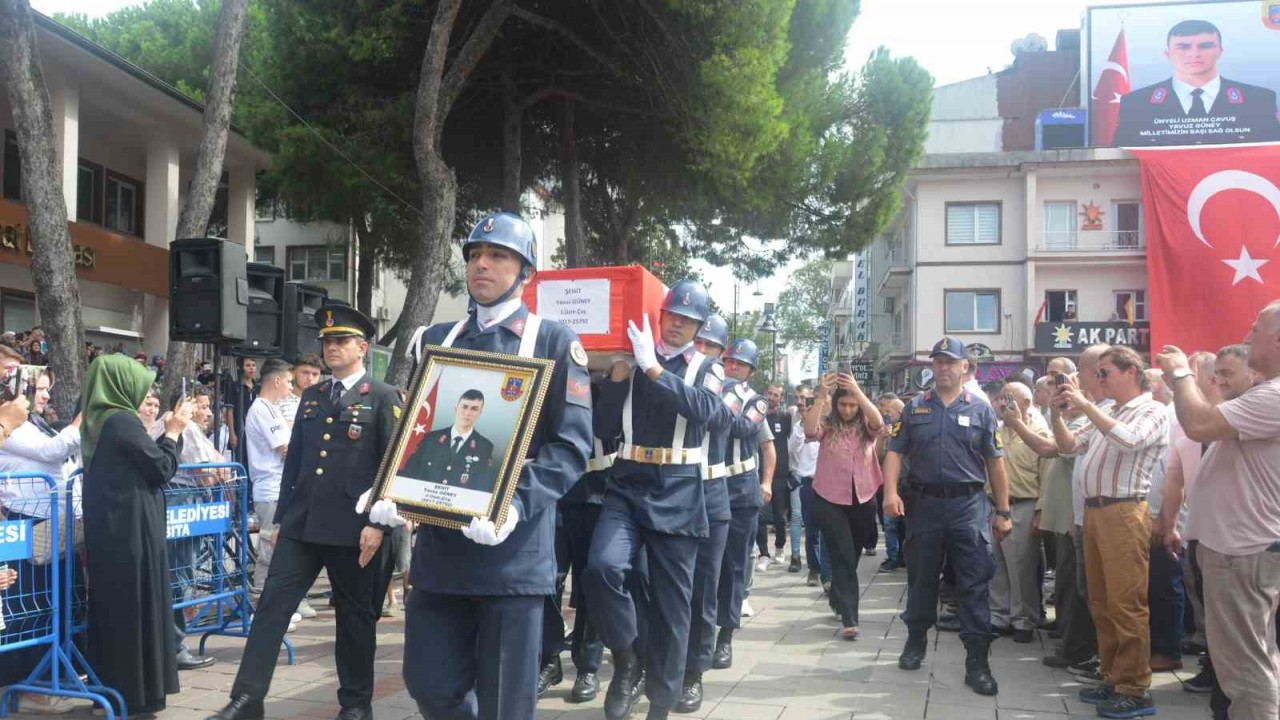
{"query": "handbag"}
(793, 482)
(41, 540)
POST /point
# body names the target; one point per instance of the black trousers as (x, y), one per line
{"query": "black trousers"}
(579, 524)
(845, 530)
(552, 617)
(357, 594)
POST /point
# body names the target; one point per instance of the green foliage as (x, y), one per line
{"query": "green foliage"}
(802, 306)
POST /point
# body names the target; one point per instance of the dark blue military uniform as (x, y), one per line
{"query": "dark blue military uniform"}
(745, 498)
(333, 456)
(946, 448)
(473, 624)
(655, 500)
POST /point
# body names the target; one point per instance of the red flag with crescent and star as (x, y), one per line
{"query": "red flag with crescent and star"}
(421, 425)
(1112, 84)
(1213, 227)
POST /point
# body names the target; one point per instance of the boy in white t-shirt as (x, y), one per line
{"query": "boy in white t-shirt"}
(267, 438)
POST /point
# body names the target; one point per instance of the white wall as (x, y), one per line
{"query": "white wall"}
(965, 118)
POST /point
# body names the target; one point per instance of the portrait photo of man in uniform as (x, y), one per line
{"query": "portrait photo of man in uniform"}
(457, 454)
(1197, 104)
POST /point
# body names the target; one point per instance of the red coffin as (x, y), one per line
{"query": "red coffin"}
(597, 302)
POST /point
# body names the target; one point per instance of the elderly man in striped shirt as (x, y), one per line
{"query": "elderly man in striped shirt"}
(1120, 451)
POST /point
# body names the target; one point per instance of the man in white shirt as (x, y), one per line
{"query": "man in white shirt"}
(804, 462)
(267, 437)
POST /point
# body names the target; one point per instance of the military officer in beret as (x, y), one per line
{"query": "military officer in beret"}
(948, 436)
(342, 429)
(458, 454)
(473, 623)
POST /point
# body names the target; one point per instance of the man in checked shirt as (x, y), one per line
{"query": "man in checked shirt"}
(1120, 450)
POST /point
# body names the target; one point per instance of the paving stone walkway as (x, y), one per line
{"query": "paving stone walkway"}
(789, 664)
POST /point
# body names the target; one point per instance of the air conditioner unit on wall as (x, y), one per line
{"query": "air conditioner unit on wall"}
(383, 313)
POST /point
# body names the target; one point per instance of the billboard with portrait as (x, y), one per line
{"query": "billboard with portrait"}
(1188, 73)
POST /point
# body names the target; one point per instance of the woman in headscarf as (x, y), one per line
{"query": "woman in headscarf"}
(131, 640)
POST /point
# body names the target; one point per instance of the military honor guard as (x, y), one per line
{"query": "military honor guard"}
(750, 459)
(654, 499)
(950, 440)
(473, 623)
(341, 432)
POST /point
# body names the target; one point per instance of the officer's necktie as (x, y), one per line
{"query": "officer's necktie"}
(1197, 103)
(457, 443)
(335, 393)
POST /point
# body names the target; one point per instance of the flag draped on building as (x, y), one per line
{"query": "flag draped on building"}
(1112, 85)
(1213, 229)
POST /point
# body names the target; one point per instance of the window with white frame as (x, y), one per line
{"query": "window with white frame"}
(973, 223)
(1131, 299)
(972, 311)
(1127, 216)
(317, 264)
(1060, 305)
(123, 201)
(264, 254)
(1060, 225)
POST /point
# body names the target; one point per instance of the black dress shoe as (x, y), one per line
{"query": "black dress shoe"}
(1023, 635)
(977, 670)
(187, 661)
(723, 657)
(355, 713)
(241, 707)
(913, 653)
(794, 567)
(552, 674)
(585, 688)
(691, 697)
(620, 698)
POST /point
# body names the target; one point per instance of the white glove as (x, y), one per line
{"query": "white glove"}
(383, 512)
(483, 532)
(642, 344)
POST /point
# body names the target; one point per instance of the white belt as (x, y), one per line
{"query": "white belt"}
(660, 456)
(714, 472)
(601, 463)
(745, 466)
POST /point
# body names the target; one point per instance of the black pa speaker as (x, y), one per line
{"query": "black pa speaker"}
(265, 330)
(208, 295)
(301, 328)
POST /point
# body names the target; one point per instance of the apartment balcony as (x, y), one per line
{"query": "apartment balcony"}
(897, 274)
(1092, 241)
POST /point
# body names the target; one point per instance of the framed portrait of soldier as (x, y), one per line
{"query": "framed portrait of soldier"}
(467, 426)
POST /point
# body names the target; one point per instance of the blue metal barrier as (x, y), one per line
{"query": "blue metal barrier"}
(208, 537)
(34, 610)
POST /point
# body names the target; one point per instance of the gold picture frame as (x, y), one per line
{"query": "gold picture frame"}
(464, 436)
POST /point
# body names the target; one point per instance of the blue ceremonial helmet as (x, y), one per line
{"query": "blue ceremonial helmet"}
(689, 299)
(744, 351)
(505, 230)
(715, 330)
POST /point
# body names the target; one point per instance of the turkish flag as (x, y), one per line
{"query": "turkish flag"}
(1213, 226)
(1112, 85)
(421, 422)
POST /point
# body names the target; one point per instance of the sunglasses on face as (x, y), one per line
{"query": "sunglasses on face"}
(1102, 372)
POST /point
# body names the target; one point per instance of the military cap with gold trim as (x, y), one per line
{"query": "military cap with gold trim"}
(342, 320)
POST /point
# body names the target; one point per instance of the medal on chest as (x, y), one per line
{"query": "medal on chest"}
(354, 430)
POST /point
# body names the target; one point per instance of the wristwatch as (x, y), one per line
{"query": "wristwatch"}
(1005, 514)
(1181, 373)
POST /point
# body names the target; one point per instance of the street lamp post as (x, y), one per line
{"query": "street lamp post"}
(769, 325)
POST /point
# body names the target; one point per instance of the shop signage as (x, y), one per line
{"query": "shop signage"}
(1073, 337)
(17, 238)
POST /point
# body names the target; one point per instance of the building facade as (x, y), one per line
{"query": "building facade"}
(126, 142)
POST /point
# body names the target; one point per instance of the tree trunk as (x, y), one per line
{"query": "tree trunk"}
(367, 263)
(193, 219)
(512, 151)
(575, 245)
(437, 91)
(52, 260)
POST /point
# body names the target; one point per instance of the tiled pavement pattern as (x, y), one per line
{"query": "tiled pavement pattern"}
(788, 665)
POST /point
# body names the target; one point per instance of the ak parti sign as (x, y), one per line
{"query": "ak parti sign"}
(1073, 337)
(100, 255)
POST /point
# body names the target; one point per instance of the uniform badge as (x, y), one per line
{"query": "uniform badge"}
(473, 444)
(896, 429)
(464, 478)
(714, 379)
(1234, 96)
(686, 299)
(364, 388)
(353, 431)
(328, 320)
(396, 412)
(921, 411)
(757, 410)
(488, 225)
(444, 440)
(999, 442)
(512, 388)
(1159, 96)
(578, 353)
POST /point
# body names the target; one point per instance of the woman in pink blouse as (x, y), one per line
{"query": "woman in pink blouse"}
(845, 484)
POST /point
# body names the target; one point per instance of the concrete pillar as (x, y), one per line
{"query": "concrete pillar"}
(64, 100)
(163, 184)
(241, 192)
(1034, 233)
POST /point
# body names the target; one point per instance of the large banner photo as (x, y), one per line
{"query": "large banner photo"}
(1188, 73)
